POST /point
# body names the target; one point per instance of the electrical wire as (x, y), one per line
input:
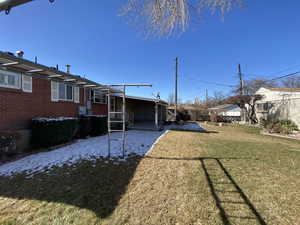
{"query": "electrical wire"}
(284, 76)
(209, 82)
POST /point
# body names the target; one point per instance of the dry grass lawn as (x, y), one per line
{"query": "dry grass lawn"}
(233, 175)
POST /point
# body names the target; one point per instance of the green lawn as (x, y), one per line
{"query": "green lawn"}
(231, 175)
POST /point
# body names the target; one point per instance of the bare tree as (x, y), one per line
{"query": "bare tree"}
(197, 101)
(162, 17)
(218, 98)
(247, 103)
(291, 82)
(251, 86)
(171, 100)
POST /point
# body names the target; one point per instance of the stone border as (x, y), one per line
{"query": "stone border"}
(279, 135)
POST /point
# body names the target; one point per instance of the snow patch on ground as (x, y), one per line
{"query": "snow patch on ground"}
(48, 119)
(137, 142)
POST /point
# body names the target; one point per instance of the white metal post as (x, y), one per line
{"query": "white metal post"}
(108, 120)
(124, 118)
(123, 112)
(156, 115)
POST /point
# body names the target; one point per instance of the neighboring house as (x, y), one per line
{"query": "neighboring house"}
(279, 103)
(228, 111)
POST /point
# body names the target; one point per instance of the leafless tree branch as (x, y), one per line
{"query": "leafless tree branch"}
(163, 17)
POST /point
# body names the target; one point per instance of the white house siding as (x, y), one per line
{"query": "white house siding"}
(233, 112)
(283, 105)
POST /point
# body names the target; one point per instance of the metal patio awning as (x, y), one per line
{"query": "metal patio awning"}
(10, 62)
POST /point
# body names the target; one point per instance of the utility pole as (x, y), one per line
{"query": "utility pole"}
(206, 96)
(240, 75)
(241, 80)
(176, 87)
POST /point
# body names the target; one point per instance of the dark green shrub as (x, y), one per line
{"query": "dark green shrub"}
(99, 125)
(288, 126)
(8, 144)
(47, 132)
(183, 115)
(92, 125)
(85, 127)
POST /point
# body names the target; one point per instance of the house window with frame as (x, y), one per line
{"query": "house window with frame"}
(263, 106)
(27, 83)
(10, 79)
(65, 92)
(98, 96)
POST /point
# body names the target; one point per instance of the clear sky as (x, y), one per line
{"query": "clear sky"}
(264, 37)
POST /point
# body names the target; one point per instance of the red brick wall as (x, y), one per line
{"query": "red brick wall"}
(17, 108)
(99, 109)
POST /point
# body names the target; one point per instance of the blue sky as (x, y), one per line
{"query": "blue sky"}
(265, 39)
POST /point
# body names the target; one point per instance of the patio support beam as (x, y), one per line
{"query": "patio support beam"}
(161, 113)
(10, 64)
(156, 115)
(34, 71)
(55, 76)
(69, 80)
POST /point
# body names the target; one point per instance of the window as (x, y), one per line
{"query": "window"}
(27, 83)
(263, 106)
(69, 92)
(10, 79)
(98, 96)
(76, 94)
(64, 92)
(54, 91)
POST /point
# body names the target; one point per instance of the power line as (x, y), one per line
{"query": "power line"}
(264, 76)
(290, 67)
(284, 76)
(209, 82)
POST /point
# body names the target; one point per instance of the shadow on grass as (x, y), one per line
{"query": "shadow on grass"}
(217, 175)
(240, 199)
(93, 186)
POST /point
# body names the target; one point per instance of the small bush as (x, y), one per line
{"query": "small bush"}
(8, 144)
(279, 126)
(221, 119)
(99, 125)
(203, 118)
(183, 115)
(47, 132)
(92, 126)
(85, 127)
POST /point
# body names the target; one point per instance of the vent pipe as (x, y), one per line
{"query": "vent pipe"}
(68, 68)
(20, 54)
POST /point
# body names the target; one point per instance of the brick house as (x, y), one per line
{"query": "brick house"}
(29, 90)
